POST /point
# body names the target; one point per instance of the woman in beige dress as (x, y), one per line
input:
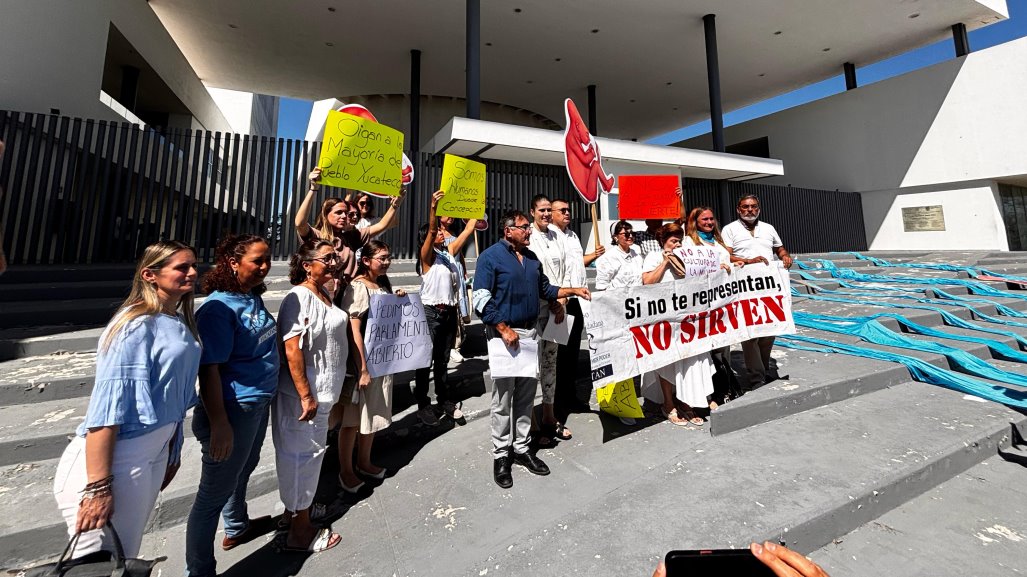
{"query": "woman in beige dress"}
(367, 402)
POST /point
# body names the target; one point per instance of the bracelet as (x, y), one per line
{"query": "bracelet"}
(314, 189)
(101, 488)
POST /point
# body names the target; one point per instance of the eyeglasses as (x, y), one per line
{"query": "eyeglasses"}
(627, 234)
(523, 227)
(563, 210)
(383, 258)
(328, 259)
(362, 204)
(353, 214)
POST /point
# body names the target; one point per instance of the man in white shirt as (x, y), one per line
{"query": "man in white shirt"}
(548, 246)
(754, 241)
(574, 276)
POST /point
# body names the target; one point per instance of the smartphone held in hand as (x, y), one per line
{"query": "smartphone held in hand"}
(715, 562)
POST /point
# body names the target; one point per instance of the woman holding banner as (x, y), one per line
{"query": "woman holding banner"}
(441, 285)
(366, 402)
(336, 223)
(315, 340)
(702, 230)
(622, 266)
(687, 382)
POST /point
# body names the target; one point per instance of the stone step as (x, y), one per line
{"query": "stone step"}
(984, 526)
(441, 514)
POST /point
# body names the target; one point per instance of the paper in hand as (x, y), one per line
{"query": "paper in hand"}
(558, 333)
(520, 362)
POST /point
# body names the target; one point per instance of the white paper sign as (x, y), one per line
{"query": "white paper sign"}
(521, 362)
(396, 336)
(558, 333)
(699, 260)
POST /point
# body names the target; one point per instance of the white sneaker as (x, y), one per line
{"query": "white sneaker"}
(455, 356)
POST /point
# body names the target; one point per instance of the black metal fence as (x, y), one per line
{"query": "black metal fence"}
(807, 219)
(91, 191)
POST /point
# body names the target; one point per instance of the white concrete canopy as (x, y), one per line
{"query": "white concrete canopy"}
(647, 57)
(492, 140)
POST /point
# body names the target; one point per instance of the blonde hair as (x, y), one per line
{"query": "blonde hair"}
(692, 226)
(142, 299)
(324, 230)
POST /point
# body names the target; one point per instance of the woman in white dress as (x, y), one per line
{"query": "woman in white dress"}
(315, 339)
(701, 229)
(688, 382)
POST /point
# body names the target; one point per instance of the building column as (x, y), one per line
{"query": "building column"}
(960, 39)
(716, 110)
(850, 75)
(414, 146)
(592, 110)
(473, 53)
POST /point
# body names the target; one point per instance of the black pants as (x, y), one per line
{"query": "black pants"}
(567, 361)
(442, 329)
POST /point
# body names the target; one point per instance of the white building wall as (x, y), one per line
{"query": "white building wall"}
(944, 129)
(61, 47)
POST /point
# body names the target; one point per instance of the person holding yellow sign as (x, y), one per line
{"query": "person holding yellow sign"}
(336, 223)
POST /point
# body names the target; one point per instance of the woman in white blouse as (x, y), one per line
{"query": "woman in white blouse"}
(316, 340)
(621, 266)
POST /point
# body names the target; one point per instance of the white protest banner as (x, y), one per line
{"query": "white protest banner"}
(396, 337)
(639, 329)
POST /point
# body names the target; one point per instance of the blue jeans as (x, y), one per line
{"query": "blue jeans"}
(223, 484)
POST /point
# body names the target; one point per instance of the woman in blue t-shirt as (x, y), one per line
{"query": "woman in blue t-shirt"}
(129, 446)
(238, 378)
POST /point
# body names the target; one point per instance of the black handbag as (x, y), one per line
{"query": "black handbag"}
(100, 564)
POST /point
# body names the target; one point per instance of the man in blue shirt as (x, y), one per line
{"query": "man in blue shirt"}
(508, 283)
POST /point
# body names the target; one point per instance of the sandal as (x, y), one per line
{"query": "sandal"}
(255, 528)
(673, 418)
(557, 431)
(692, 418)
(323, 540)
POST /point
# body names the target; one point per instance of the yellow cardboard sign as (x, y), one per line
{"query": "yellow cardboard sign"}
(361, 154)
(463, 181)
(619, 399)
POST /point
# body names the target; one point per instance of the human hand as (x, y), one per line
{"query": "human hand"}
(397, 201)
(221, 439)
(661, 570)
(556, 307)
(401, 293)
(315, 178)
(787, 260)
(169, 475)
(365, 379)
(757, 259)
(600, 251)
(510, 338)
(784, 562)
(309, 406)
(94, 512)
(584, 293)
(436, 197)
(726, 267)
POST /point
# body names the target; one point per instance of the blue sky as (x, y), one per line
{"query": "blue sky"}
(293, 114)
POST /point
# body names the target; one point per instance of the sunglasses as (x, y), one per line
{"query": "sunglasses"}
(627, 234)
(563, 210)
(353, 214)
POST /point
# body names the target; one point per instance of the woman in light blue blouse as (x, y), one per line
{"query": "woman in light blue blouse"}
(238, 379)
(128, 448)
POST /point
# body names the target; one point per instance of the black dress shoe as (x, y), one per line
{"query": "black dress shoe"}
(531, 463)
(501, 472)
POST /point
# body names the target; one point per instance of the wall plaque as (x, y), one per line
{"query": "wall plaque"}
(923, 218)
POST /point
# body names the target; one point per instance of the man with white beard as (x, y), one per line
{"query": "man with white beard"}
(755, 241)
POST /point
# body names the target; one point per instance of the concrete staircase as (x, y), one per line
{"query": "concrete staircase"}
(835, 445)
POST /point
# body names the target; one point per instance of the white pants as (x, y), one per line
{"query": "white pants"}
(299, 449)
(138, 466)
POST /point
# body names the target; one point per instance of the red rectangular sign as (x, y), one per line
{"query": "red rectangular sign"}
(645, 196)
